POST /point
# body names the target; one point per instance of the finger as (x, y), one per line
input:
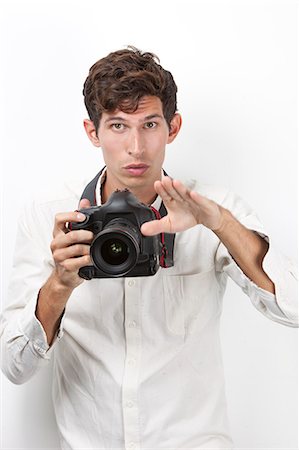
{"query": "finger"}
(175, 189)
(74, 251)
(181, 189)
(156, 227)
(171, 188)
(74, 264)
(162, 192)
(84, 203)
(201, 201)
(63, 240)
(61, 219)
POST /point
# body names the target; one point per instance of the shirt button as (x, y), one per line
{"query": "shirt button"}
(129, 404)
(132, 324)
(132, 445)
(131, 283)
(41, 351)
(59, 335)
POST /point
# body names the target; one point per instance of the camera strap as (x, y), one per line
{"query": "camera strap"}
(167, 239)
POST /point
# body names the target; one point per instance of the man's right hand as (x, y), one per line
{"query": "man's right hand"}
(71, 251)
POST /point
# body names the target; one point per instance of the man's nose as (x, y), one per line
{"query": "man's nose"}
(135, 146)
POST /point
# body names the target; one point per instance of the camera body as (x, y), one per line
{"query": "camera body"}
(118, 248)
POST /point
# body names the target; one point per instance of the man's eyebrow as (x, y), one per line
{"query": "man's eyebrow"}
(145, 119)
(153, 116)
(111, 119)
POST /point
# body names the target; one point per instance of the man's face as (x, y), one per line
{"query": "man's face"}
(133, 146)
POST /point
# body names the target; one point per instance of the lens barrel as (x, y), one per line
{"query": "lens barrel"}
(116, 248)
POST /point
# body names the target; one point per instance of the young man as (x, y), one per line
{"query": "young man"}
(137, 359)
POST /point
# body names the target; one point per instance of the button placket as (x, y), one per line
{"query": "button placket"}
(132, 364)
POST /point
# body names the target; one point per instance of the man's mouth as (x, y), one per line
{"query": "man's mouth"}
(136, 169)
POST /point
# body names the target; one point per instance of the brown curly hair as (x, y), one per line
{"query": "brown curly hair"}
(122, 78)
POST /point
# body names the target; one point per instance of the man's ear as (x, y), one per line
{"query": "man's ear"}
(175, 126)
(91, 132)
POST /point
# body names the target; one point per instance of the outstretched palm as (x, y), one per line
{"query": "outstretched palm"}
(185, 209)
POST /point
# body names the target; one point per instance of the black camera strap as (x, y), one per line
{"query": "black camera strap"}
(168, 245)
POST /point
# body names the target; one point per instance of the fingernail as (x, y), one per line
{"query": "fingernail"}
(80, 216)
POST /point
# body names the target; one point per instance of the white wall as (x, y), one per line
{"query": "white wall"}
(235, 65)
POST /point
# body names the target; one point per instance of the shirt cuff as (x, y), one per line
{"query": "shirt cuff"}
(283, 274)
(281, 307)
(33, 330)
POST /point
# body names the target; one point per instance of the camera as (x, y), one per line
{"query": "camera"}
(118, 248)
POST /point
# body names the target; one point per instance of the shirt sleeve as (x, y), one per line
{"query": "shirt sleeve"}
(24, 347)
(281, 307)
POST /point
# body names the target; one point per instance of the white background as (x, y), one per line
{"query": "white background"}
(235, 65)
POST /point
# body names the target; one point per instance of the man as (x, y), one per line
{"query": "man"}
(137, 360)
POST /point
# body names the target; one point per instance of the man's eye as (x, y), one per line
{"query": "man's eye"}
(150, 125)
(117, 126)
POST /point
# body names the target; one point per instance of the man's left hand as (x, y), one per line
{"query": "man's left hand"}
(185, 209)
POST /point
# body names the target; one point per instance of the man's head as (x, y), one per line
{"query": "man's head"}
(131, 101)
(122, 78)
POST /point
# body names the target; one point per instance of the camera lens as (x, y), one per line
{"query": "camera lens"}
(115, 251)
(116, 248)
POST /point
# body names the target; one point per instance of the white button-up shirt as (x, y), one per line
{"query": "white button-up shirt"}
(137, 361)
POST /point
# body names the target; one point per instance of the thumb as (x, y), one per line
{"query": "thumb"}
(155, 227)
(84, 203)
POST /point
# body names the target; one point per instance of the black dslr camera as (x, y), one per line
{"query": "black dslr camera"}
(118, 248)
